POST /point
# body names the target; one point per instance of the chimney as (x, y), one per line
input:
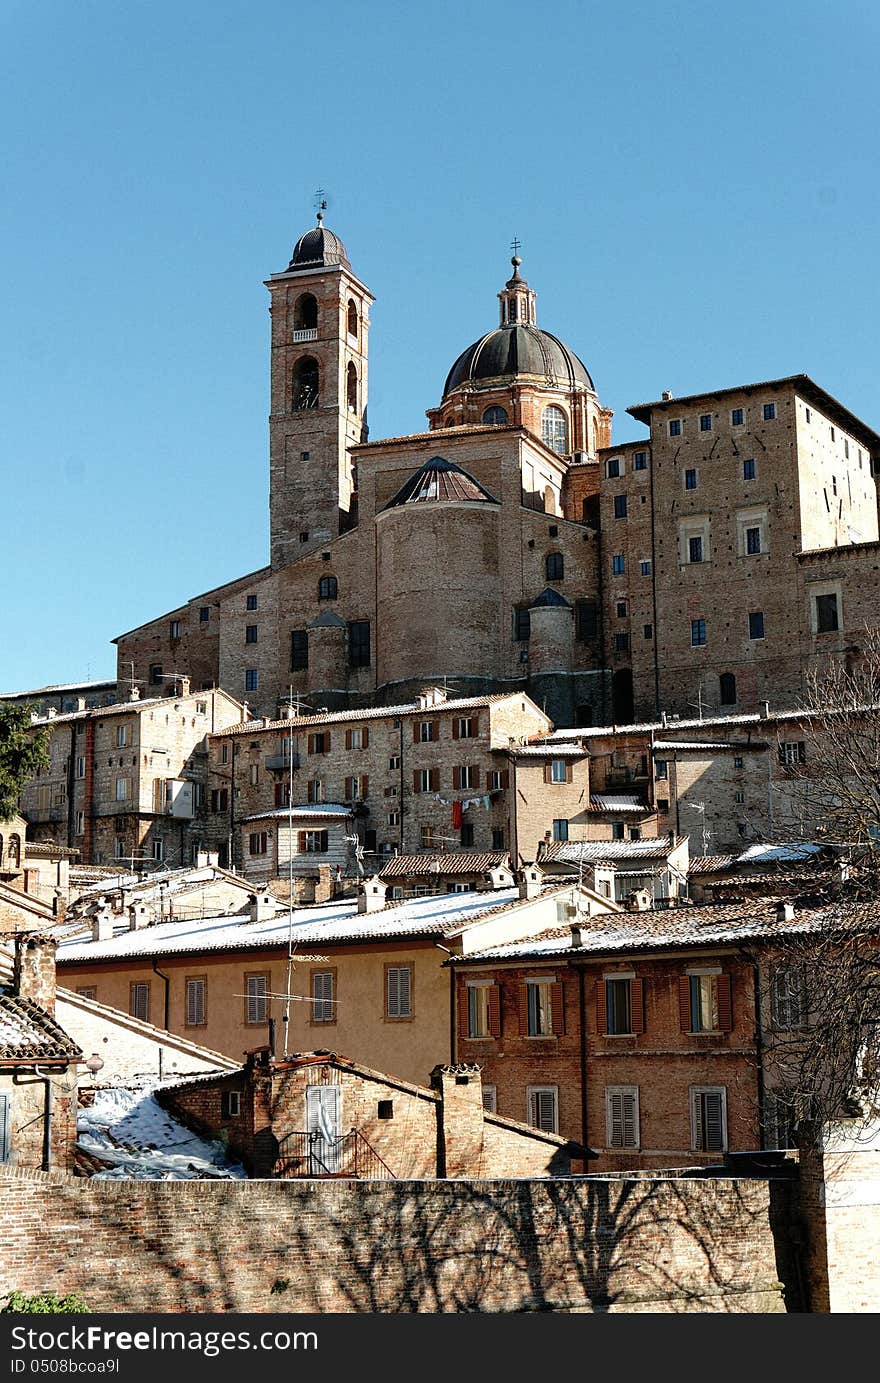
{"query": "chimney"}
(138, 917)
(102, 925)
(785, 911)
(460, 1117)
(134, 694)
(499, 876)
(182, 686)
(579, 934)
(765, 709)
(33, 975)
(663, 719)
(262, 907)
(666, 395)
(80, 703)
(51, 712)
(207, 859)
(371, 896)
(531, 878)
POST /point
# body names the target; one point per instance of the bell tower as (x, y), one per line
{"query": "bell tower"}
(320, 325)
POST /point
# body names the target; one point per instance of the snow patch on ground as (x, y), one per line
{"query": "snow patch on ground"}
(144, 1142)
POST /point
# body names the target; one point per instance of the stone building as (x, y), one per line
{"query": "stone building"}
(128, 781)
(512, 547)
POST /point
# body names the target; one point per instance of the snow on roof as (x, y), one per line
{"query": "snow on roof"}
(604, 803)
(572, 851)
(323, 810)
(129, 1129)
(768, 853)
(318, 925)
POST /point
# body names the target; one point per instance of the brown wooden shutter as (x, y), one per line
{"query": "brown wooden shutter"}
(505, 778)
(495, 1011)
(523, 1010)
(463, 1014)
(725, 1003)
(326, 741)
(416, 773)
(348, 791)
(684, 1002)
(557, 1008)
(365, 737)
(301, 835)
(456, 777)
(348, 739)
(365, 785)
(601, 1006)
(547, 773)
(569, 772)
(475, 777)
(435, 733)
(434, 779)
(637, 1005)
(325, 841)
(311, 744)
(455, 727)
(415, 732)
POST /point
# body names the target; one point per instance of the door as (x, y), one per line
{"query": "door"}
(324, 1127)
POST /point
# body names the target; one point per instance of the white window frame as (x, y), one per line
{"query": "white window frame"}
(543, 1101)
(696, 1093)
(694, 526)
(121, 736)
(614, 1093)
(478, 1011)
(558, 766)
(752, 518)
(123, 789)
(834, 588)
(541, 1013)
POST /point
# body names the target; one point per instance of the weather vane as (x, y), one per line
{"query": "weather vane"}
(320, 203)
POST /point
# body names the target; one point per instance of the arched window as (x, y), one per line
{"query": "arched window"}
(496, 415)
(549, 500)
(328, 588)
(352, 317)
(305, 313)
(351, 386)
(305, 384)
(555, 566)
(554, 429)
(727, 688)
(14, 852)
(449, 422)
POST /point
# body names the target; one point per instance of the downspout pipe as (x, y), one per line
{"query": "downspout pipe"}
(582, 1018)
(167, 982)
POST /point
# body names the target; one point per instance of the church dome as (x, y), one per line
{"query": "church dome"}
(319, 248)
(438, 480)
(518, 350)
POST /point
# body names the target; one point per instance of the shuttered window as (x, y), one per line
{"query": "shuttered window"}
(5, 1141)
(323, 1007)
(195, 1001)
(139, 1002)
(620, 1005)
(481, 1015)
(705, 1003)
(788, 997)
(543, 1107)
(257, 987)
(709, 1118)
(398, 991)
(622, 1116)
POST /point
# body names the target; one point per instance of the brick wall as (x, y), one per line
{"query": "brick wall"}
(494, 1246)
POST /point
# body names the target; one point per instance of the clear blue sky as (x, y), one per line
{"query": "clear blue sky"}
(694, 186)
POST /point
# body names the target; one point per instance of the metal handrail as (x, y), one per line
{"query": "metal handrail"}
(310, 1154)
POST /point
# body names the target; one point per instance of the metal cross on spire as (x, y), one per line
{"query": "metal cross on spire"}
(515, 245)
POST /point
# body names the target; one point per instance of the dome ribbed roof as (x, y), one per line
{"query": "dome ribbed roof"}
(549, 597)
(439, 480)
(518, 350)
(318, 249)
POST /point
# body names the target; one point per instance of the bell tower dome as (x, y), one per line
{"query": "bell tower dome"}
(320, 323)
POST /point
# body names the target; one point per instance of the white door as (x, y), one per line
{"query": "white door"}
(324, 1126)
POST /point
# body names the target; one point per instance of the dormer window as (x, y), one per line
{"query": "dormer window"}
(496, 416)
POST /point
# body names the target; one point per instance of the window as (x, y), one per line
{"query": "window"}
(466, 841)
(174, 629)
(623, 1001)
(427, 837)
(498, 838)
(621, 643)
(204, 614)
(323, 1004)
(119, 848)
(490, 1099)
(80, 823)
(560, 828)
(770, 413)
(554, 566)
(80, 766)
(542, 1106)
(695, 549)
(359, 643)
(618, 564)
(586, 614)
(554, 429)
(737, 417)
(299, 650)
(398, 991)
(496, 416)
(621, 609)
(426, 779)
(121, 736)
(622, 1116)
(230, 1104)
(612, 467)
(620, 506)
(393, 818)
(522, 625)
(305, 385)
(123, 789)
(250, 633)
(313, 842)
(663, 805)
(357, 788)
(328, 588)
(826, 614)
(648, 631)
(705, 422)
(251, 679)
(698, 633)
(748, 470)
(727, 689)
(738, 761)
(224, 753)
(792, 752)
(256, 998)
(155, 673)
(675, 427)
(539, 1007)
(219, 800)
(195, 1001)
(351, 386)
(315, 790)
(640, 461)
(618, 830)
(705, 1001)
(645, 568)
(690, 479)
(465, 776)
(753, 541)
(756, 624)
(428, 730)
(788, 997)
(558, 771)
(484, 1009)
(393, 762)
(139, 1001)
(661, 768)
(465, 728)
(709, 1118)
(158, 849)
(258, 843)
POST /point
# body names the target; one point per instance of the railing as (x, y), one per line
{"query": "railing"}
(305, 334)
(278, 761)
(313, 1155)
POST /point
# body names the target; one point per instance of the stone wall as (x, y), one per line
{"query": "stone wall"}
(650, 1245)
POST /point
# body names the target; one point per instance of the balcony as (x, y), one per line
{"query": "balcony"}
(277, 763)
(305, 334)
